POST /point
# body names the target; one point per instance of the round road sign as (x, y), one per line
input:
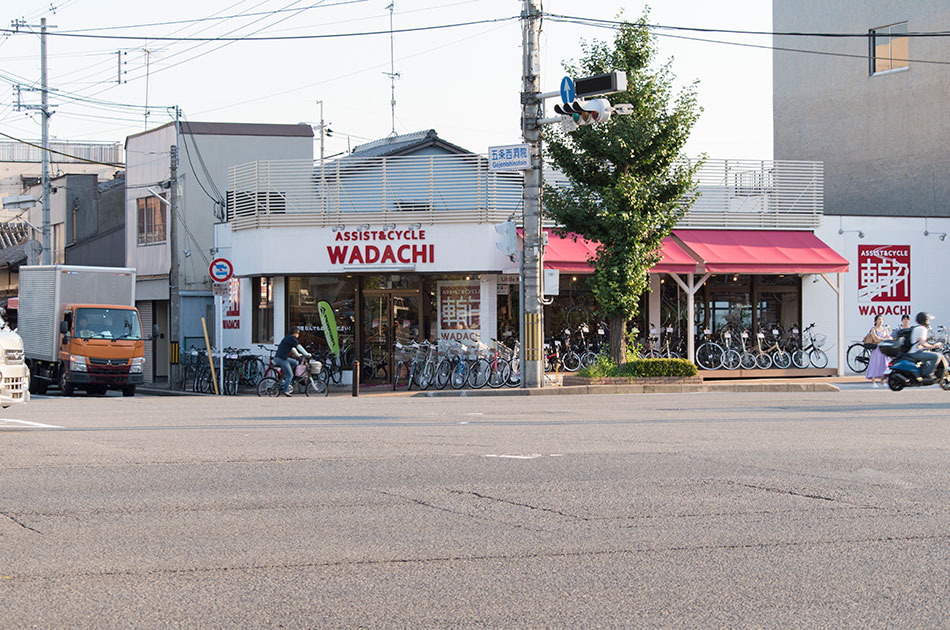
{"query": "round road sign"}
(221, 270)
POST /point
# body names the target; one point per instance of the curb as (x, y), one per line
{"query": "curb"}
(575, 390)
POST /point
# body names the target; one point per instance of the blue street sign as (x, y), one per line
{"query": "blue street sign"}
(567, 90)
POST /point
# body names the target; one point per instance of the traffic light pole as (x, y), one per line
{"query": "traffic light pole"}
(532, 323)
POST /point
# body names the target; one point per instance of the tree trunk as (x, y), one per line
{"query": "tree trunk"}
(618, 339)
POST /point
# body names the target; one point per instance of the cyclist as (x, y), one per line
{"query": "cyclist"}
(289, 345)
(921, 349)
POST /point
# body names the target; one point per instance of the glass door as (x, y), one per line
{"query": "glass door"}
(387, 317)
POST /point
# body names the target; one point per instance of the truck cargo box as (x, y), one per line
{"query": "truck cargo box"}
(45, 289)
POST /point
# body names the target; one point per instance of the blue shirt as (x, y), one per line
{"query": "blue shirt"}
(283, 349)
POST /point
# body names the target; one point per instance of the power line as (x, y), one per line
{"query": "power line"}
(613, 25)
(597, 21)
(280, 37)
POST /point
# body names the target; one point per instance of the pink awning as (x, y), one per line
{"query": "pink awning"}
(761, 251)
(568, 255)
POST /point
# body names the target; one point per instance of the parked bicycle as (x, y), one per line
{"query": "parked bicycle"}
(811, 352)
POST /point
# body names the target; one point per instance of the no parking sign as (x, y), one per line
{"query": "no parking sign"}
(221, 270)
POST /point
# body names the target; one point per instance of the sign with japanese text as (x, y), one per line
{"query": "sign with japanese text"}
(884, 277)
(459, 309)
(514, 157)
(232, 304)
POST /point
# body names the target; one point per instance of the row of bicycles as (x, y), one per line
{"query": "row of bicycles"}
(450, 363)
(244, 369)
(772, 346)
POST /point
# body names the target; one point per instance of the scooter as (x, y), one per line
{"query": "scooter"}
(905, 372)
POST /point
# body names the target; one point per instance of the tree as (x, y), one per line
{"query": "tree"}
(629, 183)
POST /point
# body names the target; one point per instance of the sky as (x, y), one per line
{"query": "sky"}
(464, 81)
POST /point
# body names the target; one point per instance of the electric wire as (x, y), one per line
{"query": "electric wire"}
(48, 150)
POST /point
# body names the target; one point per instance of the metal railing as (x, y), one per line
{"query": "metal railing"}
(733, 194)
(109, 153)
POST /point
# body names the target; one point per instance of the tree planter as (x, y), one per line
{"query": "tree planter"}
(574, 379)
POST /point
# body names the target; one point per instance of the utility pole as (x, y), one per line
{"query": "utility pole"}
(44, 113)
(323, 179)
(174, 299)
(532, 326)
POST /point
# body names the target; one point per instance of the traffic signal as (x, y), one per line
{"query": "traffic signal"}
(584, 112)
(509, 238)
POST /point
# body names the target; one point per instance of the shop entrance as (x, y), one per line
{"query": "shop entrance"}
(388, 316)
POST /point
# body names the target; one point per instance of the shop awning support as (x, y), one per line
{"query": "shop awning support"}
(690, 287)
(838, 287)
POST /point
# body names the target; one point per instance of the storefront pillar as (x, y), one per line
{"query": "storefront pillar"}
(690, 287)
(838, 288)
(655, 314)
(280, 308)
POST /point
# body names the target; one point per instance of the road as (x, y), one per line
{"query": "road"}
(688, 510)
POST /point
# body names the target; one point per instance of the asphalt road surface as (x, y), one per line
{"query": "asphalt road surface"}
(690, 510)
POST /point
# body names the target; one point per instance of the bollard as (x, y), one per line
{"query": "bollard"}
(356, 379)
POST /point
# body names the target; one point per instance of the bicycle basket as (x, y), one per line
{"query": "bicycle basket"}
(315, 366)
(819, 340)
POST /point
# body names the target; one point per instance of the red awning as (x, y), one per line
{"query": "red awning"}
(761, 251)
(568, 255)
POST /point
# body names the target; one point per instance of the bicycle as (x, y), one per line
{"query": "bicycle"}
(811, 352)
(499, 365)
(305, 380)
(709, 354)
(774, 352)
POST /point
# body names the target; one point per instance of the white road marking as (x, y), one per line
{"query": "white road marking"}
(534, 456)
(37, 425)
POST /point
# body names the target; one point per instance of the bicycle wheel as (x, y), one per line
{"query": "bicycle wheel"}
(316, 387)
(747, 360)
(800, 359)
(781, 359)
(459, 374)
(442, 373)
(232, 377)
(499, 375)
(763, 361)
(268, 387)
(588, 359)
(188, 378)
(731, 359)
(858, 358)
(478, 374)
(397, 370)
(818, 358)
(709, 356)
(514, 372)
(427, 375)
(203, 382)
(571, 361)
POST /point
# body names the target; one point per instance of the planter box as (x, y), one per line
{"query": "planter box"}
(573, 379)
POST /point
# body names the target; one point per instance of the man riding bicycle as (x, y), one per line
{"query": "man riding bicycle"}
(289, 345)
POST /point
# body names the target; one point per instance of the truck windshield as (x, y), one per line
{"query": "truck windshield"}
(107, 323)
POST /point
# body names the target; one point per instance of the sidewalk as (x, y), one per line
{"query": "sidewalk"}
(810, 385)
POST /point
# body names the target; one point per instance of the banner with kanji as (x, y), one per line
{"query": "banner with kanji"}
(459, 309)
(883, 273)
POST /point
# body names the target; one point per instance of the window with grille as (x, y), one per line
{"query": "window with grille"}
(151, 220)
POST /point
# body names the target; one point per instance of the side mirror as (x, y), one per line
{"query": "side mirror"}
(64, 327)
(155, 331)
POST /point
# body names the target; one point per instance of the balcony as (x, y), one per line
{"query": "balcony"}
(732, 194)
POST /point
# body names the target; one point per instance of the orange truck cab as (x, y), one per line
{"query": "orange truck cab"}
(102, 348)
(80, 329)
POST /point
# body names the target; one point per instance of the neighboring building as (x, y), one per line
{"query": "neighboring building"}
(874, 112)
(205, 152)
(401, 239)
(95, 232)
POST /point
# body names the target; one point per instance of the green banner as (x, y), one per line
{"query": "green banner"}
(328, 321)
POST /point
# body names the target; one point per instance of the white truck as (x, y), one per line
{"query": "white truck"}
(14, 375)
(80, 328)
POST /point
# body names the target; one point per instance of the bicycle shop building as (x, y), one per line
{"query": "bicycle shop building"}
(400, 238)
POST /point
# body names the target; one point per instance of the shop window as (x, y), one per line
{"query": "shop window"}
(262, 313)
(304, 294)
(888, 48)
(151, 220)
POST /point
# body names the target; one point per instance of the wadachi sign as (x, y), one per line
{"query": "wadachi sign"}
(884, 279)
(381, 247)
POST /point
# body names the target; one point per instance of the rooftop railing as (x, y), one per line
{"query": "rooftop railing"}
(734, 194)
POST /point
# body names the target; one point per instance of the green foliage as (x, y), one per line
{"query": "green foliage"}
(640, 368)
(629, 183)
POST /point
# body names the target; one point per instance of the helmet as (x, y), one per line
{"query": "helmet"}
(923, 318)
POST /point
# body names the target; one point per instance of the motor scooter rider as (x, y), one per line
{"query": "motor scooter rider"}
(921, 349)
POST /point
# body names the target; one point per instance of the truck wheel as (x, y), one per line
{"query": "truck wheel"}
(38, 386)
(128, 390)
(65, 387)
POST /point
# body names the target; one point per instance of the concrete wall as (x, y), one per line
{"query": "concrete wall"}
(882, 138)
